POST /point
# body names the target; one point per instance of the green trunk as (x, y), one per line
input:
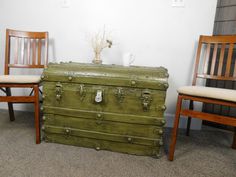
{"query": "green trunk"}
(105, 106)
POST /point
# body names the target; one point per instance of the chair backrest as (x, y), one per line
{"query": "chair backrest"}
(214, 59)
(25, 49)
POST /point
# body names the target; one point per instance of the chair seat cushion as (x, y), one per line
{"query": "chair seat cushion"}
(19, 79)
(209, 92)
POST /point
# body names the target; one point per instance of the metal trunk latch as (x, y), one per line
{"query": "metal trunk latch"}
(146, 99)
(98, 97)
(82, 92)
(58, 91)
(120, 95)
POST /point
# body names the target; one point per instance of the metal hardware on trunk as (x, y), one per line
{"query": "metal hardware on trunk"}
(120, 95)
(163, 122)
(129, 139)
(158, 131)
(82, 91)
(41, 108)
(42, 77)
(161, 143)
(166, 85)
(156, 154)
(161, 108)
(99, 118)
(70, 75)
(146, 99)
(43, 96)
(58, 87)
(98, 97)
(44, 118)
(58, 97)
(68, 131)
(43, 128)
(133, 83)
(58, 91)
(98, 148)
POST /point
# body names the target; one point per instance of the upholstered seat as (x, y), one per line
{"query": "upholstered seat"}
(20, 79)
(209, 92)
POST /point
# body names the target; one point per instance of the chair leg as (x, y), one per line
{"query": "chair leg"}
(189, 118)
(10, 106)
(36, 114)
(175, 129)
(234, 140)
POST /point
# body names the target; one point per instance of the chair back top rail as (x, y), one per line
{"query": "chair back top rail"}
(25, 49)
(216, 58)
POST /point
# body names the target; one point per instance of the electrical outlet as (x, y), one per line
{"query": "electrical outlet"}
(65, 3)
(178, 3)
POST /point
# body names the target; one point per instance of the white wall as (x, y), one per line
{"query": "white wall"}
(154, 31)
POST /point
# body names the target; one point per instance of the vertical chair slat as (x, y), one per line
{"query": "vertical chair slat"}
(7, 53)
(197, 63)
(206, 58)
(25, 51)
(34, 52)
(229, 59)
(39, 51)
(16, 55)
(28, 51)
(213, 63)
(234, 75)
(22, 50)
(46, 51)
(222, 54)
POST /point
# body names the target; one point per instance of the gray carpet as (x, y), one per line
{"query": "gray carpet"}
(204, 153)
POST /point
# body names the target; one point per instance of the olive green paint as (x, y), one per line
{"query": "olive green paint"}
(103, 144)
(114, 117)
(128, 118)
(101, 125)
(102, 136)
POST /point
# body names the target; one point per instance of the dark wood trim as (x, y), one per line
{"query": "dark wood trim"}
(10, 105)
(208, 100)
(36, 113)
(175, 129)
(191, 107)
(17, 99)
(210, 117)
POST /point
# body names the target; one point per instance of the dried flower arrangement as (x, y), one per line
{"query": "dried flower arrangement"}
(100, 42)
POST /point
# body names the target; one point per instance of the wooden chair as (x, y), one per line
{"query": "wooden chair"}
(24, 50)
(214, 60)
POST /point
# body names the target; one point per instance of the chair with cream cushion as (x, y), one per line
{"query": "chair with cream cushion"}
(24, 50)
(214, 60)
